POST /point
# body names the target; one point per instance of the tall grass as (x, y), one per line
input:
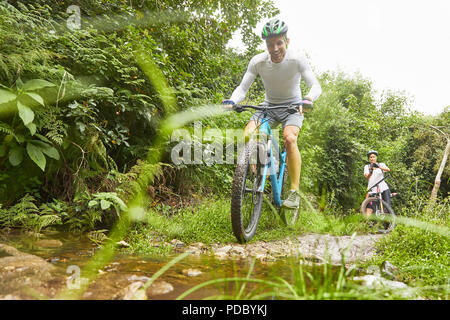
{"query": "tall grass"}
(306, 282)
(420, 248)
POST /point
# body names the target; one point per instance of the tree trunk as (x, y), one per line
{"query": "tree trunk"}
(437, 181)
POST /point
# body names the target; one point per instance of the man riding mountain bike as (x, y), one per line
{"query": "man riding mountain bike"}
(281, 71)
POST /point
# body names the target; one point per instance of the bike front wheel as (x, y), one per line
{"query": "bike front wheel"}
(246, 199)
(384, 215)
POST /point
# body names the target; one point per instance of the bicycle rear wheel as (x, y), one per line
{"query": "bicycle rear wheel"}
(385, 219)
(246, 200)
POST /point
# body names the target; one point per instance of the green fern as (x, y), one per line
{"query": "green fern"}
(22, 213)
(49, 122)
(26, 214)
(98, 236)
(45, 221)
(7, 129)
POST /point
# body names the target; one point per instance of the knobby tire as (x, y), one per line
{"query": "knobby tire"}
(246, 202)
(388, 226)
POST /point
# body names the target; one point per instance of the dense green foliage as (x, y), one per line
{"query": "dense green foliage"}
(102, 112)
(78, 114)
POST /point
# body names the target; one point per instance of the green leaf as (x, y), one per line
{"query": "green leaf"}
(19, 138)
(36, 84)
(25, 113)
(52, 153)
(35, 154)
(105, 204)
(19, 83)
(92, 203)
(43, 138)
(2, 151)
(35, 97)
(47, 149)
(32, 127)
(6, 96)
(16, 156)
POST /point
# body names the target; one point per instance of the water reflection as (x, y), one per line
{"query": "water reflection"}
(124, 269)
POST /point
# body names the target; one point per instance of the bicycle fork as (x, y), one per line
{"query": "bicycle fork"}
(272, 165)
(381, 199)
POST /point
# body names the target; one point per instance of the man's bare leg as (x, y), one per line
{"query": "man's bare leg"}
(290, 135)
(250, 129)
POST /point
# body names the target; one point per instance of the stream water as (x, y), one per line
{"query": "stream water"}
(124, 269)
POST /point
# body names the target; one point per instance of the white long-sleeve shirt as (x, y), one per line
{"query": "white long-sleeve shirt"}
(281, 80)
(376, 176)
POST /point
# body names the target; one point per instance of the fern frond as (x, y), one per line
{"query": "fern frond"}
(47, 220)
(7, 129)
(98, 236)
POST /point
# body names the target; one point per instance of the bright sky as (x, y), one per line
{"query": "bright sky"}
(403, 45)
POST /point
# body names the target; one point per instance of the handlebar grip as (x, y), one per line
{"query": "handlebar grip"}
(233, 107)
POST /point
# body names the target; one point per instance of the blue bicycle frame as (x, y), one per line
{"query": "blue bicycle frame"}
(276, 181)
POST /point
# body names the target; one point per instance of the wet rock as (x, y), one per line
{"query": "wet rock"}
(197, 248)
(9, 297)
(264, 257)
(379, 283)
(332, 248)
(389, 271)
(372, 269)
(258, 252)
(19, 270)
(159, 288)
(238, 251)
(221, 255)
(194, 251)
(53, 260)
(312, 258)
(191, 272)
(225, 249)
(223, 252)
(123, 244)
(133, 291)
(49, 243)
(138, 278)
(177, 243)
(110, 269)
(201, 246)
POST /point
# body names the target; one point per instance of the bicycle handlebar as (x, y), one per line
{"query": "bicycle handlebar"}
(292, 108)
